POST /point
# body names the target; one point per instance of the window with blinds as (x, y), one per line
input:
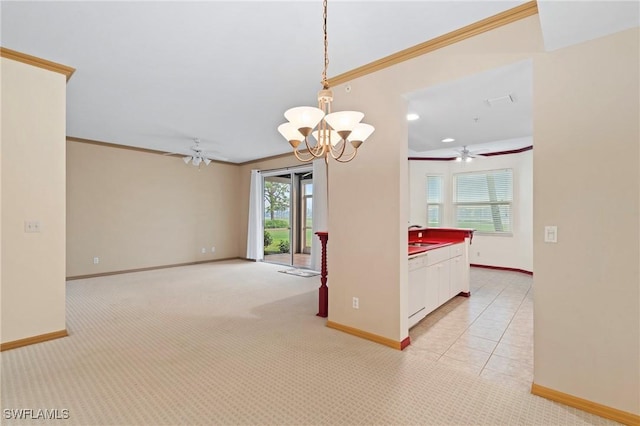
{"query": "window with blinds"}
(435, 201)
(483, 200)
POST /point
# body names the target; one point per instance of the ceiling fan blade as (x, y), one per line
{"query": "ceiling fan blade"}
(215, 158)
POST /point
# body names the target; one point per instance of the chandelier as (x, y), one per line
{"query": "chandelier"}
(333, 130)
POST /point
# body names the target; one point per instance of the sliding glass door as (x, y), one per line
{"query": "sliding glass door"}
(288, 214)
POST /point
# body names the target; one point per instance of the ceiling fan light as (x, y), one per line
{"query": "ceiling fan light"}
(361, 132)
(186, 160)
(344, 121)
(458, 159)
(447, 140)
(468, 160)
(197, 161)
(207, 161)
(304, 117)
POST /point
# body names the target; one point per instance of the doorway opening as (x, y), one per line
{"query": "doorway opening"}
(288, 217)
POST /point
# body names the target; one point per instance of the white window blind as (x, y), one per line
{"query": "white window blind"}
(434, 201)
(483, 200)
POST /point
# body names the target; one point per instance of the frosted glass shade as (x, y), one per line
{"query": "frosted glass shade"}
(186, 160)
(304, 117)
(361, 132)
(290, 132)
(196, 161)
(344, 121)
(335, 137)
(206, 161)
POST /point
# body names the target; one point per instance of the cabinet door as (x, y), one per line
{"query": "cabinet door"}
(417, 288)
(457, 274)
(444, 288)
(431, 293)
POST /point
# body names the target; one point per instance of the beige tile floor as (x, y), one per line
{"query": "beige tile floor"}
(489, 334)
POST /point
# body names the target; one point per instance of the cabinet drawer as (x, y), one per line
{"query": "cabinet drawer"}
(438, 255)
(457, 250)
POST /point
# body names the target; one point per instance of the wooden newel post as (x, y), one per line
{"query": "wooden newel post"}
(323, 300)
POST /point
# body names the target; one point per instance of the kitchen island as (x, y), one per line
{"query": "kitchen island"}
(438, 268)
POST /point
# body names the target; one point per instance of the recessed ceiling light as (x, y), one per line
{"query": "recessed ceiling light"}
(447, 140)
(412, 117)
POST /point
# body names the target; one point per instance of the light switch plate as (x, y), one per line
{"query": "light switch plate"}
(550, 234)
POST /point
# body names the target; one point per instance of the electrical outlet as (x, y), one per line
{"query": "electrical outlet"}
(31, 226)
(478, 254)
(356, 303)
(419, 234)
(96, 260)
(213, 249)
(203, 250)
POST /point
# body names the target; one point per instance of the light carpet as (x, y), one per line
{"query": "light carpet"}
(234, 343)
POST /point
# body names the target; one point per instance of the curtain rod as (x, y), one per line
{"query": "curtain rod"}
(305, 167)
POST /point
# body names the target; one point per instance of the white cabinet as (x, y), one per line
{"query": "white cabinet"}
(457, 275)
(438, 276)
(435, 277)
(417, 288)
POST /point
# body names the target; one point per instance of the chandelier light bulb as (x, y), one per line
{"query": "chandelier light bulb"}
(304, 118)
(344, 121)
(361, 132)
(291, 133)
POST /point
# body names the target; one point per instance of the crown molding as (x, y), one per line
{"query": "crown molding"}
(490, 154)
(37, 62)
(508, 16)
(134, 148)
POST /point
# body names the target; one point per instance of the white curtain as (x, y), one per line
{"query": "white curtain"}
(255, 234)
(320, 201)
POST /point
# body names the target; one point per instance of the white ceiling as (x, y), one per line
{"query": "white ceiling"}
(158, 74)
(493, 106)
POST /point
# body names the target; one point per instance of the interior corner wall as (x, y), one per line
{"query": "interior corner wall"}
(586, 182)
(32, 166)
(133, 210)
(369, 197)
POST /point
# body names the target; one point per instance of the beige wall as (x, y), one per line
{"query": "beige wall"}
(372, 192)
(585, 181)
(512, 251)
(135, 209)
(33, 188)
(587, 290)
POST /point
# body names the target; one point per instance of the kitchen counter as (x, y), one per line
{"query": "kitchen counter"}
(436, 238)
(415, 250)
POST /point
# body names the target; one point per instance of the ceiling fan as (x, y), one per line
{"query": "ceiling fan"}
(198, 156)
(467, 156)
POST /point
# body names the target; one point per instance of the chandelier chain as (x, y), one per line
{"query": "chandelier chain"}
(325, 83)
